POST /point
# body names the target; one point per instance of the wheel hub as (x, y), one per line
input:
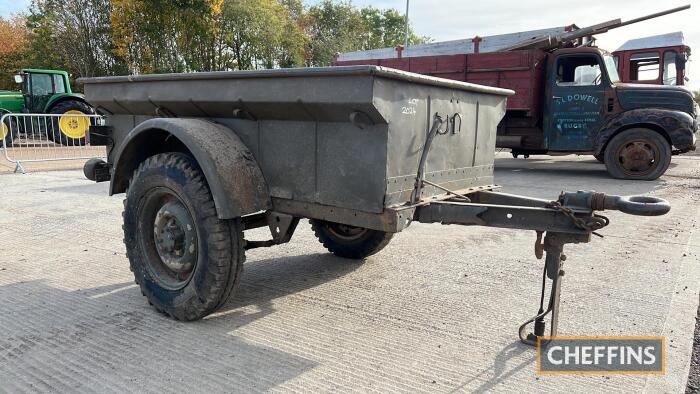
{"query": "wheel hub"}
(175, 237)
(638, 157)
(346, 232)
(74, 126)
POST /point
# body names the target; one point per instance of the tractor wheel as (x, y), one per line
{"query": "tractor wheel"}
(70, 130)
(8, 131)
(186, 260)
(639, 154)
(349, 241)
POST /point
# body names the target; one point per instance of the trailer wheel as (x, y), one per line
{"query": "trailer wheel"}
(70, 130)
(639, 154)
(349, 241)
(185, 259)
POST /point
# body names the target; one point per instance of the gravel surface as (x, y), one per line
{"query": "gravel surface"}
(694, 375)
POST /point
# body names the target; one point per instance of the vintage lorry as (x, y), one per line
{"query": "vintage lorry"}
(361, 151)
(46, 92)
(569, 99)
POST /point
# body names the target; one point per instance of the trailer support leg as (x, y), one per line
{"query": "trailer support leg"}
(554, 247)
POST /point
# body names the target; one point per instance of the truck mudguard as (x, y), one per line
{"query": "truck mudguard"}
(233, 175)
(676, 126)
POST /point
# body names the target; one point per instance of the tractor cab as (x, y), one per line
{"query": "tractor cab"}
(42, 88)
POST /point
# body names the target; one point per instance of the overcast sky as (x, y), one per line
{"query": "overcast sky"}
(454, 19)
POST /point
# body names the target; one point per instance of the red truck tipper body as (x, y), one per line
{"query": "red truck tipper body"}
(521, 71)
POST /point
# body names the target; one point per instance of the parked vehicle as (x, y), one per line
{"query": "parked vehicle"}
(658, 60)
(47, 91)
(569, 98)
(361, 151)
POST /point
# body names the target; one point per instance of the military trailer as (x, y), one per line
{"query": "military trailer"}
(361, 151)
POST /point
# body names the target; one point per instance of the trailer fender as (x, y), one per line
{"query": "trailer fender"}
(234, 177)
(675, 126)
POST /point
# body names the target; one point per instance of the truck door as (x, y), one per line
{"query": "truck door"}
(575, 105)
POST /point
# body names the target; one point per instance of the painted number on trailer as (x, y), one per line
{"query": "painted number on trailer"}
(410, 109)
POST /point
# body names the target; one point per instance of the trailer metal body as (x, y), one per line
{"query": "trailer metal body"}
(362, 151)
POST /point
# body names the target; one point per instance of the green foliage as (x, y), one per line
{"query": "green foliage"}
(334, 26)
(75, 35)
(387, 28)
(261, 34)
(108, 37)
(338, 26)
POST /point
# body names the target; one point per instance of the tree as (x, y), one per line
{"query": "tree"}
(261, 34)
(75, 35)
(156, 36)
(13, 35)
(334, 26)
(338, 26)
(107, 37)
(386, 28)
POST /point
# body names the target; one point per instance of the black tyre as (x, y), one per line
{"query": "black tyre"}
(600, 157)
(639, 154)
(8, 131)
(70, 130)
(185, 259)
(349, 241)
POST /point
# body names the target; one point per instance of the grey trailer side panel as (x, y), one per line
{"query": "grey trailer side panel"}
(351, 166)
(460, 157)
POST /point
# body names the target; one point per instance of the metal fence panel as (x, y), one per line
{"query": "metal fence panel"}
(27, 138)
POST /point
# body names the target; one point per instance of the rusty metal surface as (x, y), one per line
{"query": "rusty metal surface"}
(678, 127)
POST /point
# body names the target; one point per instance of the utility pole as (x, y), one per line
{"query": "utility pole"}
(405, 32)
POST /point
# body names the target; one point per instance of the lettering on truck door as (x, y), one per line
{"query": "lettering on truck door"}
(577, 87)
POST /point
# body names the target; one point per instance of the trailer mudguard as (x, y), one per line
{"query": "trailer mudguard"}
(676, 126)
(234, 177)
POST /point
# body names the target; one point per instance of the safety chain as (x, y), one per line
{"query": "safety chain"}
(596, 222)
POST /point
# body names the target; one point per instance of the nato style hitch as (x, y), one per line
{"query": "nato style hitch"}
(553, 246)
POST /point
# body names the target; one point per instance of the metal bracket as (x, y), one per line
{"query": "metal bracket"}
(281, 225)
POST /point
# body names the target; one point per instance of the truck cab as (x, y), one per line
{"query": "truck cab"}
(633, 128)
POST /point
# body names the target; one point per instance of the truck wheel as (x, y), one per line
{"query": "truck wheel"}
(70, 130)
(640, 154)
(349, 241)
(186, 260)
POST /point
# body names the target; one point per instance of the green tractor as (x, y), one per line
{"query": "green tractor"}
(45, 92)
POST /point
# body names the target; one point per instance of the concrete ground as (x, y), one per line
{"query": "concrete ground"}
(436, 311)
